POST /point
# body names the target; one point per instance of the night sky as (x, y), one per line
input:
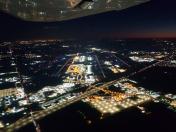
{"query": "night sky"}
(155, 19)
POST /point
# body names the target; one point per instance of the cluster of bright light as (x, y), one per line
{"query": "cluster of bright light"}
(142, 59)
(112, 106)
(129, 102)
(105, 106)
(79, 72)
(173, 103)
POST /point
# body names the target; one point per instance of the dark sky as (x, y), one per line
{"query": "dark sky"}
(150, 20)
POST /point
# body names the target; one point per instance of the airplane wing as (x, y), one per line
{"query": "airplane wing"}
(59, 10)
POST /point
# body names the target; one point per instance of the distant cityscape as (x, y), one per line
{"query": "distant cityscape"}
(40, 77)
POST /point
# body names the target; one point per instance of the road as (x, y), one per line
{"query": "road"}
(100, 66)
(125, 63)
